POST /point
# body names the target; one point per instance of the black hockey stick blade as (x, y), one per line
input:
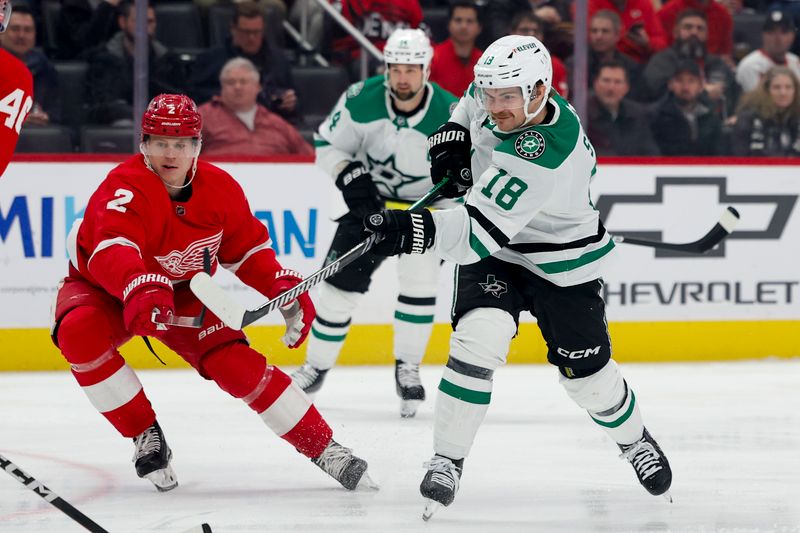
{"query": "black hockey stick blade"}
(723, 228)
(186, 321)
(236, 317)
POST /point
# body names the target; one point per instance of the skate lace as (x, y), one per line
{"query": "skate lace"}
(305, 376)
(149, 441)
(445, 472)
(335, 459)
(644, 458)
(408, 375)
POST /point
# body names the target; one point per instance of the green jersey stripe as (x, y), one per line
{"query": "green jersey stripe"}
(571, 264)
(324, 337)
(621, 420)
(415, 319)
(466, 395)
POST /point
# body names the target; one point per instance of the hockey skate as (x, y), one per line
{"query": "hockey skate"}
(340, 463)
(309, 378)
(152, 458)
(409, 387)
(440, 484)
(650, 464)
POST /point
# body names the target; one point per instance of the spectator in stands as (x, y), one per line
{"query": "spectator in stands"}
(526, 23)
(497, 15)
(110, 76)
(617, 125)
(454, 58)
(235, 123)
(690, 34)
(718, 19)
(776, 40)
(19, 39)
(604, 35)
(249, 41)
(376, 19)
(768, 120)
(81, 27)
(684, 123)
(642, 34)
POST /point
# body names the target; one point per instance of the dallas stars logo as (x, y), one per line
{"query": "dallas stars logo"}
(389, 179)
(494, 287)
(530, 145)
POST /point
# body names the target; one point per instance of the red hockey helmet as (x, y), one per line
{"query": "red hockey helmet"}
(172, 115)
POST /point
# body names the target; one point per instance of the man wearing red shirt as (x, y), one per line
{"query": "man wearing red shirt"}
(16, 94)
(235, 123)
(453, 59)
(642, 34)
(720, 23)
(147, 229)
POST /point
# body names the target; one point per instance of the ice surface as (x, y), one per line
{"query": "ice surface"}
(730, 430)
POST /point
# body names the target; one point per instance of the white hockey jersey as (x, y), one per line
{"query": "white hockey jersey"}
(363, 126)
(530, 204)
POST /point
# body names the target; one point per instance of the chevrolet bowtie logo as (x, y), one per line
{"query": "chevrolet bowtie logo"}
(782, 205)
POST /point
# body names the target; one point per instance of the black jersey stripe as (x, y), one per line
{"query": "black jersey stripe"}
(331, 324)
(494, 232)
(533, 247)
(467, 369)
(410, 300)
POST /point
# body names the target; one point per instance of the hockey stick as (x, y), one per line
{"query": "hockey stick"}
(49, 496)
(236, 317)
(186, 321)
(60, 503)
(723, 228)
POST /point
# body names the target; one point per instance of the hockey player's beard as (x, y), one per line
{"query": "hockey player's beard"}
(691, 48)
(405, 95)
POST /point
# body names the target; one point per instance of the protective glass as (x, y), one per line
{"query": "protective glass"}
(503, 99)
(172, 147)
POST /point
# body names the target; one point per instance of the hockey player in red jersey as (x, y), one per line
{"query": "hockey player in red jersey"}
(143, 236)
(16, 94)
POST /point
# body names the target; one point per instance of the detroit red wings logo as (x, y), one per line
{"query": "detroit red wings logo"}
(190, 259)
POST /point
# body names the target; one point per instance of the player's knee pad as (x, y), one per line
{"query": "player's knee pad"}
(238, 369)
(335, 305)
(599, 392)
(482, 337)
(417, 275)
(86, 334)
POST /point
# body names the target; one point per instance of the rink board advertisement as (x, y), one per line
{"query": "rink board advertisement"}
(739, 300)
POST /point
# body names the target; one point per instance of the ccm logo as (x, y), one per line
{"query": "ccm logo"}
(578, 354)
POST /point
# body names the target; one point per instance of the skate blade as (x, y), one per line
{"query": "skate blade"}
(163, 479)
(202, 528)
(667, 496)
(431, 506)
(408, 408)
(366, 483)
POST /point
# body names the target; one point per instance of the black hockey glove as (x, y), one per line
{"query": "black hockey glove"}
(358, 189)
(449, 150)
(403, 232)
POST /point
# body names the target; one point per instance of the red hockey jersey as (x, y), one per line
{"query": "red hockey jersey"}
(376, 19)
(132, 226)
(16, 100)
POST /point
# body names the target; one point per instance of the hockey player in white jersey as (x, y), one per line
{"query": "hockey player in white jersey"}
(527, 238)
(373, 144)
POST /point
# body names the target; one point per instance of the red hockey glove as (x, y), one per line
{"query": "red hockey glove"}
(298, 314)
(143, 295)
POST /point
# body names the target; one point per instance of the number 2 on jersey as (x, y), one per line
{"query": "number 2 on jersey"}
(123, 196)
(509, 194)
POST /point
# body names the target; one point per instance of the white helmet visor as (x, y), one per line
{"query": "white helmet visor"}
(5, 14)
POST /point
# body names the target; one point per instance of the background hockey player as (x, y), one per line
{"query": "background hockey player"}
(16, 94)
(373, 145)
(142, 238)
(527, 238)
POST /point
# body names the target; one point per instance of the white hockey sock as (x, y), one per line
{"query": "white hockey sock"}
(461, 404)
(413, 322)
(609, 401)
(330, 327)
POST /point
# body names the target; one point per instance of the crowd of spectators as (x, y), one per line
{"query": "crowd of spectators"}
(665, 77)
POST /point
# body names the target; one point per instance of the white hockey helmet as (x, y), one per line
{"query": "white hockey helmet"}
(515, 61)
(408, 47)
(5, 14)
